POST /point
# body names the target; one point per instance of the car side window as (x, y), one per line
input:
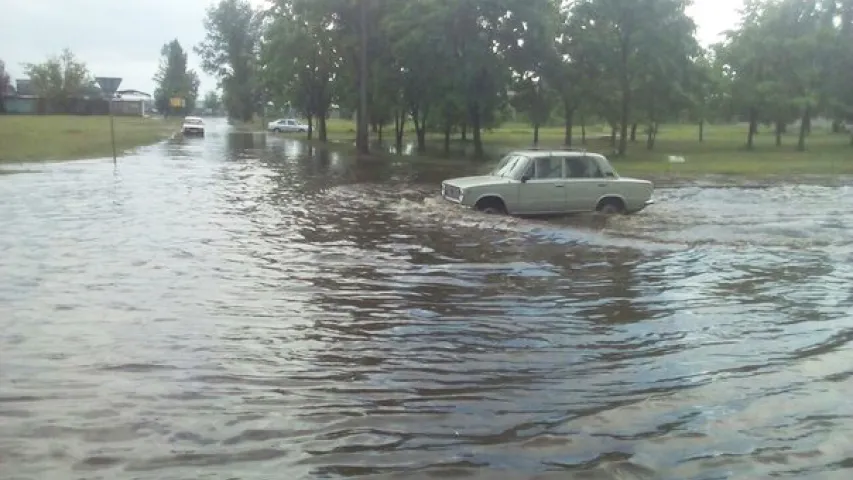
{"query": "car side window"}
(549, 168)
(582, 167)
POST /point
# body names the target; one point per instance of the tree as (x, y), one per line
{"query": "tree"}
(59, 78)
(300, 59)
(211, 102)
(174, 80)
(626, 38)
(840, 106)
(230, 53)
(5, 86)
(782, 61)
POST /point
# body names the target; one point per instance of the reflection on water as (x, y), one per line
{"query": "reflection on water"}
(244, 306)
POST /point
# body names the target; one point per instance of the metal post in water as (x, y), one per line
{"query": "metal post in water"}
(109, 86)
(112, 130)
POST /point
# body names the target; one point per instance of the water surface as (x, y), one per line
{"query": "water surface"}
(243, 306)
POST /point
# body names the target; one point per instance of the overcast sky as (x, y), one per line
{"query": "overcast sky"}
(123, 37)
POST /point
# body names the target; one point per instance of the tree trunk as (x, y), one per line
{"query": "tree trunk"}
(613, 131)
(448, 130)
(836, 126)
(634, 132)
(808, 122)
(753, 128)
(310, 127)
(474, 112)
(363, 135)
(804, 128)
(465, 132)
(536, 134)
(701, 131)
(420, 127)
(583, 129)
(379, 133)
(321, 124)
(567, 140)
(780, 128)
(623, 121)
(399, 130)
(652, 136)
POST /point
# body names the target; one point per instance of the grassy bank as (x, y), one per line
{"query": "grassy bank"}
(721, 152)
(66, 137)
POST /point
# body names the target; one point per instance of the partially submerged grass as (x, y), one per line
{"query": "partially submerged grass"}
(721, 152)
(28, 138)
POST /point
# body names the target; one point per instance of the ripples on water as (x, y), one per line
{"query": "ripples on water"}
(237, 307)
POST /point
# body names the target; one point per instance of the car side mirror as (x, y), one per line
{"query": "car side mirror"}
(525, 178)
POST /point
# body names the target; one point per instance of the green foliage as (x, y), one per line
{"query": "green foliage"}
(230, 52)
(59, 78)
(300, 56)
(465, 65)
(173, 80)
(212, 102)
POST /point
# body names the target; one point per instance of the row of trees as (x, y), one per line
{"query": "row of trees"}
(459, 65)
(58, 80)
(61, 79)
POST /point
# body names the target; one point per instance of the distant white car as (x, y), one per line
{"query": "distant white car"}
(287, 125)
(193, 126)
(536, 182)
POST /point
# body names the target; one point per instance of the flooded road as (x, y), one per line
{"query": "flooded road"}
(243, 307)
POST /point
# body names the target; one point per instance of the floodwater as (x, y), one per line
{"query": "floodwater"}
(243, 307)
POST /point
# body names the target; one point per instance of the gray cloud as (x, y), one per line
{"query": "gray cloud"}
(114, 37)
(123, 37)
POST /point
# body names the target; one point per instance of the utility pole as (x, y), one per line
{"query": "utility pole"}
(362, 141)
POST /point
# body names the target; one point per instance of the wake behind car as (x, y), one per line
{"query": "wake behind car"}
(193, 126)
(287, 125)
(538, 182)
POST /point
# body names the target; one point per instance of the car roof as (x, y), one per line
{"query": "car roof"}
(192, 118)
(566, 152)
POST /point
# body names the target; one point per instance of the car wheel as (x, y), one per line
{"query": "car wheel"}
(611, 206)
(491, 206)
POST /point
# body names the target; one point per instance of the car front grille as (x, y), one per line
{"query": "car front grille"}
(451, 192)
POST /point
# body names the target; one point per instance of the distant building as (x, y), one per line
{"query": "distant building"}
(24, 100)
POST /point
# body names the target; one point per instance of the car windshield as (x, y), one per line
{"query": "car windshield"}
(506, 166)
(193, 121)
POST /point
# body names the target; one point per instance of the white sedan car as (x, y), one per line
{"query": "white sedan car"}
(537, 182)
(287, 125)
(193, 126)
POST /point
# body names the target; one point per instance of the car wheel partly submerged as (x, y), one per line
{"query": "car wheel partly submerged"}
(611, 206)
(491, 206)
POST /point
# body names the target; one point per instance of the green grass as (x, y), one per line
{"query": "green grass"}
(721, 152)
(25, 138)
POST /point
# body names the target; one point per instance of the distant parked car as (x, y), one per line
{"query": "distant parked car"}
(287, 125)
(537, 182)
(193, 126)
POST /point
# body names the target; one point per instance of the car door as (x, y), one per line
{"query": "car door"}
(544, 191)
(585, 183)
(289, 126)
